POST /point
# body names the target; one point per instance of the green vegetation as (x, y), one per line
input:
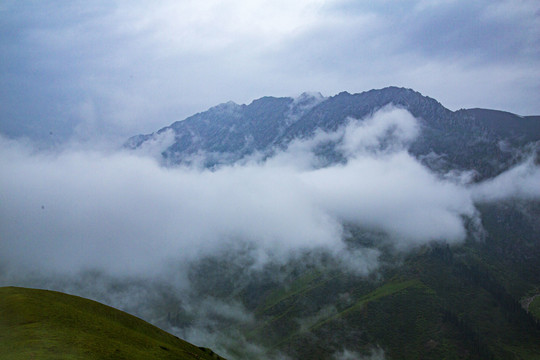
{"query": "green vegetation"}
(385, 290)
(534, 307)
(41, 324)
(303, 284)
(435, 302)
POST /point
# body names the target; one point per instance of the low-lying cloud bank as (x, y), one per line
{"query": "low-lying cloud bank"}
(123, 213)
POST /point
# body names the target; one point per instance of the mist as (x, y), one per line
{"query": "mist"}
(376, 354)
(519, 182)
(124, 213)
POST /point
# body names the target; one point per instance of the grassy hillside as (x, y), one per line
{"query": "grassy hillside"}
(534, 307)
(42, 324)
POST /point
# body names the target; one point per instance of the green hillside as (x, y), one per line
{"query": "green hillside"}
(42, 324)
(438, 304)
(476, 300)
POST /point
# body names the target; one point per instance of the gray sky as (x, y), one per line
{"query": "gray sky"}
(112, 69)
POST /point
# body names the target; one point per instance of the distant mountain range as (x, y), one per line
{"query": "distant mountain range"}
(229, 132)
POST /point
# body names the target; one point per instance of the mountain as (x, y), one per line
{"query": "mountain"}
(464, 301)
(229, 132)
(475, 299)
(41, 324)
(235, 130)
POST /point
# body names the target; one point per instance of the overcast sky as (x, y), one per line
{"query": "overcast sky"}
(113, 69)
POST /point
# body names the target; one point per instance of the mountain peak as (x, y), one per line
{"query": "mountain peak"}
(229, 106)
(307, 95)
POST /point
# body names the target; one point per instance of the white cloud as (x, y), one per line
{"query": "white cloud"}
(394, 194)
(520, 182)
(142, 66)
(124, 213)
(390, 130)
(376, 354)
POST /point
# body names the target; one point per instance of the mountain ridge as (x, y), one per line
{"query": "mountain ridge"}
(266, 124)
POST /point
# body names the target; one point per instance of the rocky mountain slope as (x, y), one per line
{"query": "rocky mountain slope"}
(459, 140)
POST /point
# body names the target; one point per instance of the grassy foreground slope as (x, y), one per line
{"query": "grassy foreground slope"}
(42, 324)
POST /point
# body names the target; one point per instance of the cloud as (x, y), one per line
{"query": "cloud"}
(451, 29)
(521, 182)
(376, 354)
(115, 70)
(139, 65)
(423, 44)
(123, 212)
(391, 130)
(396, 195)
